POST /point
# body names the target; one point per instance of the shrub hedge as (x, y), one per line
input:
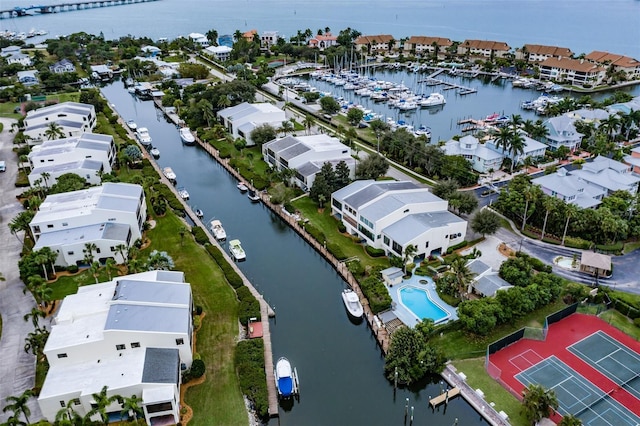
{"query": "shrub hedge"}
(199, 234)
(249, 305)
(336, 250)
(249, 363)
(457, 246)
(377, 294)
(230, 274)
(315, 232)
(374, 252)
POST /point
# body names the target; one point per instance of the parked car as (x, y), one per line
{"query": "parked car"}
(3, 166)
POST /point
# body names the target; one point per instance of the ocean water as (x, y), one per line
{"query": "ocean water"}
(581, 25)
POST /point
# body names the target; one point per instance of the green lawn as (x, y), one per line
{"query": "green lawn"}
(629, 247)
(329, 226)
(621, 322)
(478, 378)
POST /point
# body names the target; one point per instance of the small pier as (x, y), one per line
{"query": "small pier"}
(64, 7)
(444, 397)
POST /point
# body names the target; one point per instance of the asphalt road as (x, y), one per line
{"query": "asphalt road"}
(17, 368)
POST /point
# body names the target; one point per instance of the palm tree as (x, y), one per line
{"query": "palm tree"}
(516, 148)
(94, 269)
(18, 405)
(207, 111)
(21, 223)
(110, 266)
(88, 250)
(503, 139)
(131, 407)
(287, 127)
(212, 36)
(516, 121)
(462, 274)
(54, 131)
(308, 123)
(67, 416)
(570, 211)
(45, 177)
(570, 420)
(177, 104)
(42, 260)
(102, 401)
(35, 341)
(134, 265)
(409, 253)
(538, 402)
(51, 257)
(43, 293)
(223, 101)
(35, 316)
(182, 231)
(530, 193)
(121, 249)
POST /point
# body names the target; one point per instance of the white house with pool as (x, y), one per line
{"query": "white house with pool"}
(392, 215)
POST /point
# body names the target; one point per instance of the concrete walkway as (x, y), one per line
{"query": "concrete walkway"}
(17, 368)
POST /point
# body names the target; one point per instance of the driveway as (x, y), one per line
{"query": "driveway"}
(17, 368)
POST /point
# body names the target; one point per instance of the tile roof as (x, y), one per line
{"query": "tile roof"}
(578, 65)
(428, 41)
(539, 49)
(612, 58)
(485, 45)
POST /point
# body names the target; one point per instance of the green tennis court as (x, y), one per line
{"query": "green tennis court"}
(576, 395)
(613, 359)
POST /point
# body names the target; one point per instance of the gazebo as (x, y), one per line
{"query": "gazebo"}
(595, 264)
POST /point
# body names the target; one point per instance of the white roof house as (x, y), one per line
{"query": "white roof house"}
(486, 281)
(111, 203)
(87, 156)
(626, 107)
(481, 157)
(221, 53)
(241, 119)
(571, 188)
(307, 155)
(73, 118)
(62, 66)
(562, 132)
(608, 175)
(132, 334)
(391, 215)
(200, 39)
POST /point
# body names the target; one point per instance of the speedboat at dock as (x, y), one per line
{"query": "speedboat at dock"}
(253, 196)
(184, 194)
(169, 174)
(352, 303)
(155, 152)
(143, 136)
(242, 187)
(132, 125)
(217, 230)
(237, 251)
(186, 136)
(286, 378)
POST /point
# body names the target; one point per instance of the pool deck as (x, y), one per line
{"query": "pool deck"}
(404, 314)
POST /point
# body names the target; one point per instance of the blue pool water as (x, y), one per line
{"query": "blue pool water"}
(418, 302)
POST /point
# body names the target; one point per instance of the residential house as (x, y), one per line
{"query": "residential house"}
(117, 203)
(531, 149)
(633, 160)
(596, 264)
(199, 39)
(250, 35)
(240, 120)
(101, 72)
(486, 282)
(608, 175)
(88, 156)
(625, 64)
(14, 55)
(426, 46)
(306, 155)
(62, 66)
(562, 132)
(268, 39)
(391, 215)
(133, 335)
(323, 41)
(572, 71)
(625, 107)
(484, 48)
(482, 158)
(589, 115)
(570, 189)
(220, 53)
(374, 44)
(72, 118)
(28, 77)
(152, 51)
(539, 52)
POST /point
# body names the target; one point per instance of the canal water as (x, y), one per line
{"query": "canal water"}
(339, 363)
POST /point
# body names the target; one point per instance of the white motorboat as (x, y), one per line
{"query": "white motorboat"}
(155, 152)
(186, 136)
(236, 250)
(199, 213)
(433, 99)
(142, 134)
(184, 194)
(352, 303)
(253, 196)
(242, 187)
(132, 125)
(217, 230)
(169, 174)
(286, 378)
(423, 130)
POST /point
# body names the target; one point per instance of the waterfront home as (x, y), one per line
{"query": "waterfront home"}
(72, 118)
(88, 156)
(633, 160)
(117, 203)
(133, 335)
(572, 71)
(482, 157)
(424, 45)
(199, 39)
(486, 282)
(589, 115)
(14, 55)
(323, 41)
(539, 52)
(268, 39)
(220, 53)
(62, 66)
(619, 63)
(608, 175)
(250, 35)
(372, 44)
(570, 189)
(562, 132)
(101, 72)
(151, 51)
(28, 77)
(531, 149)
(625, 107)
(391, 215)
(240, 120)
(484, 48)
(306, 155)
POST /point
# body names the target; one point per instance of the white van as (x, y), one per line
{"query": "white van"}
(3, 167)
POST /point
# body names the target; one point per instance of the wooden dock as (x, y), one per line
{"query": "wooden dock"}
(445, 397)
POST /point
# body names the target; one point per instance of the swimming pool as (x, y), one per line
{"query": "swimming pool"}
(420, 304)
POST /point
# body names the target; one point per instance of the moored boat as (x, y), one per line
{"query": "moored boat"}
(155, 152)
(199, 213)
(286, 378)
(433, 99)
(132, 125)
(169, 174)
(184, 194)
(217, 230)
(242, 187)
(236, 250)
(143, 136)
(352, 303)
(253, 196)
(186, 136)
